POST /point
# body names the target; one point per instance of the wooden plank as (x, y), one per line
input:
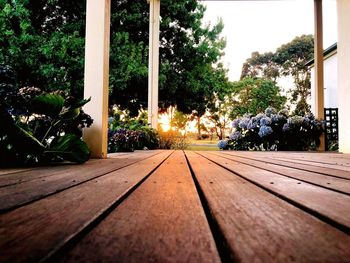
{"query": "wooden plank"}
(260, 227)
(305, 167)
(334, 183)
(42, 172)
(331, 205)
(13, 170)
(162, 221)
(28, 191)
(313, 163)
(37, 172)
(30, 233)
(329, 158)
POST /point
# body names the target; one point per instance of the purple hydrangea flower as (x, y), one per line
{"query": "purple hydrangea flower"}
(260, 116)
(244, 123)
(277, 117)
(253, 123)
(235, 123)
(265, 121)
(236, 135)
(265, 131)
(222, 144)
(269, 111)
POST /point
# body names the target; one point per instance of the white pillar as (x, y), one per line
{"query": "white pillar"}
(97, 74)
(343, 7)
(153, 62)
(319, 79)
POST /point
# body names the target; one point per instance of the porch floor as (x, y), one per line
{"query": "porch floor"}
(175, 206)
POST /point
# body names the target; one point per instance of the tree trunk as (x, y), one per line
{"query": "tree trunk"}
(199, 136)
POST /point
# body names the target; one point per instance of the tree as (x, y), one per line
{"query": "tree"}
(219, 114)
(44, 42)
(288, 60)
(293, 57)
(261, 65)
(254, 96)
(179, 120)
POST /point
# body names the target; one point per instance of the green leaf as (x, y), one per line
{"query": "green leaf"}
(73, 111)
(23, 140)
(69, 147)
(81, 103)
(48, 104)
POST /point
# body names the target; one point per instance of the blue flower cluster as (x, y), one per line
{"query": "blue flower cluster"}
(265, 121)
(222, 144)
(273, 131)
(236, 135)
(265, 131)
(269, 111)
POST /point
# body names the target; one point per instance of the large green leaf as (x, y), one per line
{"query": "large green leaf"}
(69, 147)
(22, 139)
(73, 111)
(48, 104)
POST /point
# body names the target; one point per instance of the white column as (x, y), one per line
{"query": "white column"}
(97, 74)
(153, 62)
(319, 79)
(343, 7)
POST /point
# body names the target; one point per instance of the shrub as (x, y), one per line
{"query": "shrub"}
(172, 140)
(129, 134)
(274, 131)
(39, 127)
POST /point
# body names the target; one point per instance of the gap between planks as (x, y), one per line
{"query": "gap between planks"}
(259, 226)
(35, 232)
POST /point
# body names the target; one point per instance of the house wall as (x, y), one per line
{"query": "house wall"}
(343, 8)
(330, 83)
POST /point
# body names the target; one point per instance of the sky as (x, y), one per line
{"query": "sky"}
(265, 25)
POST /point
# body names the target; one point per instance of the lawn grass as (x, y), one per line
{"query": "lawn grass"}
(201, 148)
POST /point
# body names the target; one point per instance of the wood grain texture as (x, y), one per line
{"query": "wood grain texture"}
(315, 198)
(259, 226)
(318, 163)
(330, 182)
(29, 174)
(305, 167)
(61, 178)
(6, 171)
(30, 233)
(162, 221)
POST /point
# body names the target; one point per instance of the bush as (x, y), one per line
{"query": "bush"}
(130, 134)
(38, 127)
(274, 131)
(172, 140)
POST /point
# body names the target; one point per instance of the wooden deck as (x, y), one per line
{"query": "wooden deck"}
(174, 206)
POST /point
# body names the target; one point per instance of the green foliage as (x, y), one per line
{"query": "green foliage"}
(289, 60)
(44, 42)
(254, 95)
(128, 133)
(40, 128)
(68, 147)
(173, 140)
(219, 113)
(274, 131)
(179, 120)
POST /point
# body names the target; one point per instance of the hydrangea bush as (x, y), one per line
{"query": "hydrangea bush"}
(130, 134)
(274, 130)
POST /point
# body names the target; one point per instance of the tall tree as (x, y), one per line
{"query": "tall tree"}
(44, 42)
(288, 60)
(293, 57)
(254, 96)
